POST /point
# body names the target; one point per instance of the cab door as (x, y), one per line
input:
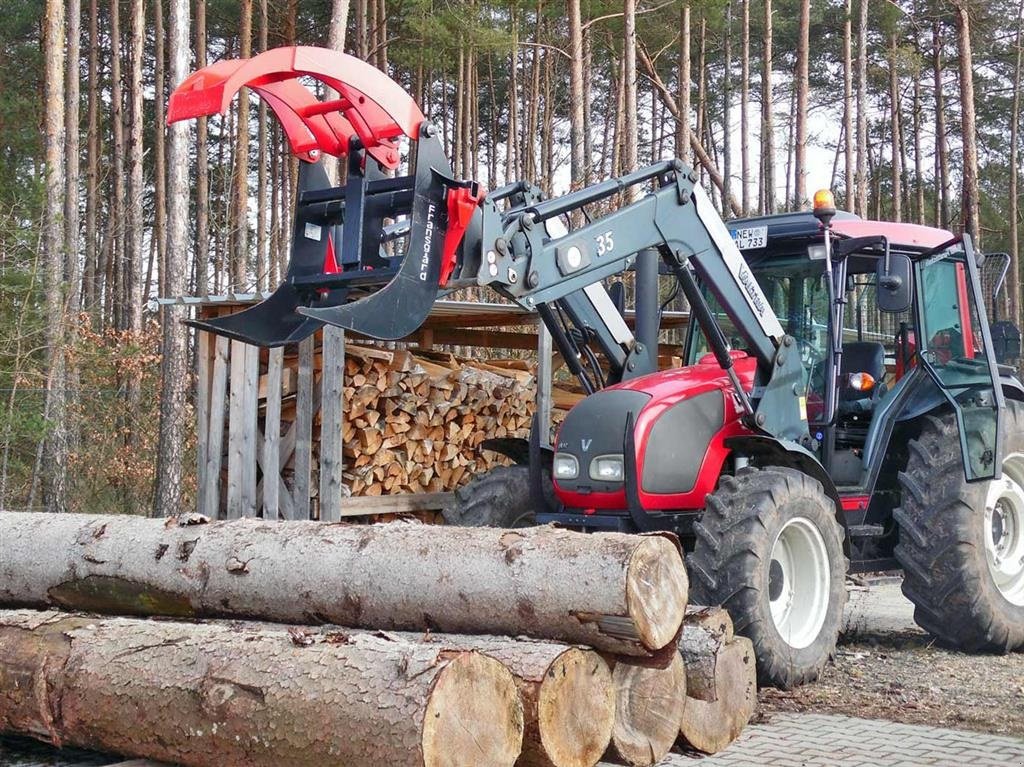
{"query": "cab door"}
(956, 350)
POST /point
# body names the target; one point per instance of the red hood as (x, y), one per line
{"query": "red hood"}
(670, 386)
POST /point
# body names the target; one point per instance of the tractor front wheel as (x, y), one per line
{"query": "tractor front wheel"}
(769, 549)
(962, 544)
(499, 498)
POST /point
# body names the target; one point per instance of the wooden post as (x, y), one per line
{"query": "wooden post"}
(272, 435)
(331, 416)
(303, 429)
(203, 371)
(544, 382)
(242, 430)
(215, 442)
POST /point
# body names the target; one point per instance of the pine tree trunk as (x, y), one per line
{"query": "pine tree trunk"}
(1013, 276)
(802, 87)
(727, 106)
(629, 126)
(196, 695)
(745, 111)
(202, 245)
(379, 576)
(577, 124)
(767, 120)
(262, 256)
(90, 276)
(117, 218)
(862, 113)
(968, 124)
(240, 194)
(918, 154)
(159, 149)
(53, 236)
(174, 372)
(896, 166)
(942, 198)
(134, 225)
(849, 186)
(72, 214)
(685, 83)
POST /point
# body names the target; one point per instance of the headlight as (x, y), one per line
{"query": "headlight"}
(608, 468)
(566, 466)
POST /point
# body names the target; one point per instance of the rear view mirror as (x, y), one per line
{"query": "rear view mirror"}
(894, 283)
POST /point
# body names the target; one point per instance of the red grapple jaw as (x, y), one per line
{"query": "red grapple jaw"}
(370, 105)
(341, 270)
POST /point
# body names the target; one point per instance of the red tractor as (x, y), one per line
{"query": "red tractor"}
(843, 405)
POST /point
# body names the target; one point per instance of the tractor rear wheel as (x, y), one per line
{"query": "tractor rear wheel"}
(962, 544)
(499, 498)
(769, 549)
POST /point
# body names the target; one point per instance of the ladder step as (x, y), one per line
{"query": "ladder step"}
(866, 531)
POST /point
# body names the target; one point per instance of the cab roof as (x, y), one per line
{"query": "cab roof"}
(802, 225)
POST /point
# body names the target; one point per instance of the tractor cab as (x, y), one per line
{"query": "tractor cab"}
(863, 312)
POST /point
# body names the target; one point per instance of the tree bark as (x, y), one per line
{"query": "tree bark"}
(848, 140)
(745, 111)
(629, 128)
(55, 448)
(159, 149)
(649, 704)
(197, 695)
(134, 225)
(174, 370)
(577, 124)
(968, 124)
(240, 193)
(685, 83)
(90, 287)
(942, 214)
(567, 692)
(381, 576)
(114, 296)
(721, 680)
(202, 168)
(862, 113)
(727, 106)
(894, 123)
(767, 121)
(802, 87)
(1013, 276)
(72, 212)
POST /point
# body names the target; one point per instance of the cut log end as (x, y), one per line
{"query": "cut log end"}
(656, 591)
(710, 726)
(467, 721)
(575, 709)
(648, 709)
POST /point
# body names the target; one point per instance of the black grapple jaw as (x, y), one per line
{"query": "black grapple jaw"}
(341, 271)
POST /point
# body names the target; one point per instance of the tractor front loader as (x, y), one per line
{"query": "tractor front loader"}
(842, 405)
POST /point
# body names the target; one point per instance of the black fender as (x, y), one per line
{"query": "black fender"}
(518, 449)
(1012, 387)
(781, 452)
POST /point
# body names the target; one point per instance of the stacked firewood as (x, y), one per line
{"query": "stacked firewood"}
(414, 421)
(461, 646)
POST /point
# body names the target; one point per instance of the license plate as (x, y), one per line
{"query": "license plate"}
(750, 238)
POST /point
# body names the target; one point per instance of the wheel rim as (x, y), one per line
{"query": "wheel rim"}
(1004, 530)
(798, 582)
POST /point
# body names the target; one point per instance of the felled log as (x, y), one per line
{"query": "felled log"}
(618, 593)
(567, 694)
(210, 696)
(721, 680)
(649, 703)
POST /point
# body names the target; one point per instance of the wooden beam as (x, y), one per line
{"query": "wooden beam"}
(204, 370)
(332, 382)
(403, 503)
(303, 430)
(215, 443)
(272, 435)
